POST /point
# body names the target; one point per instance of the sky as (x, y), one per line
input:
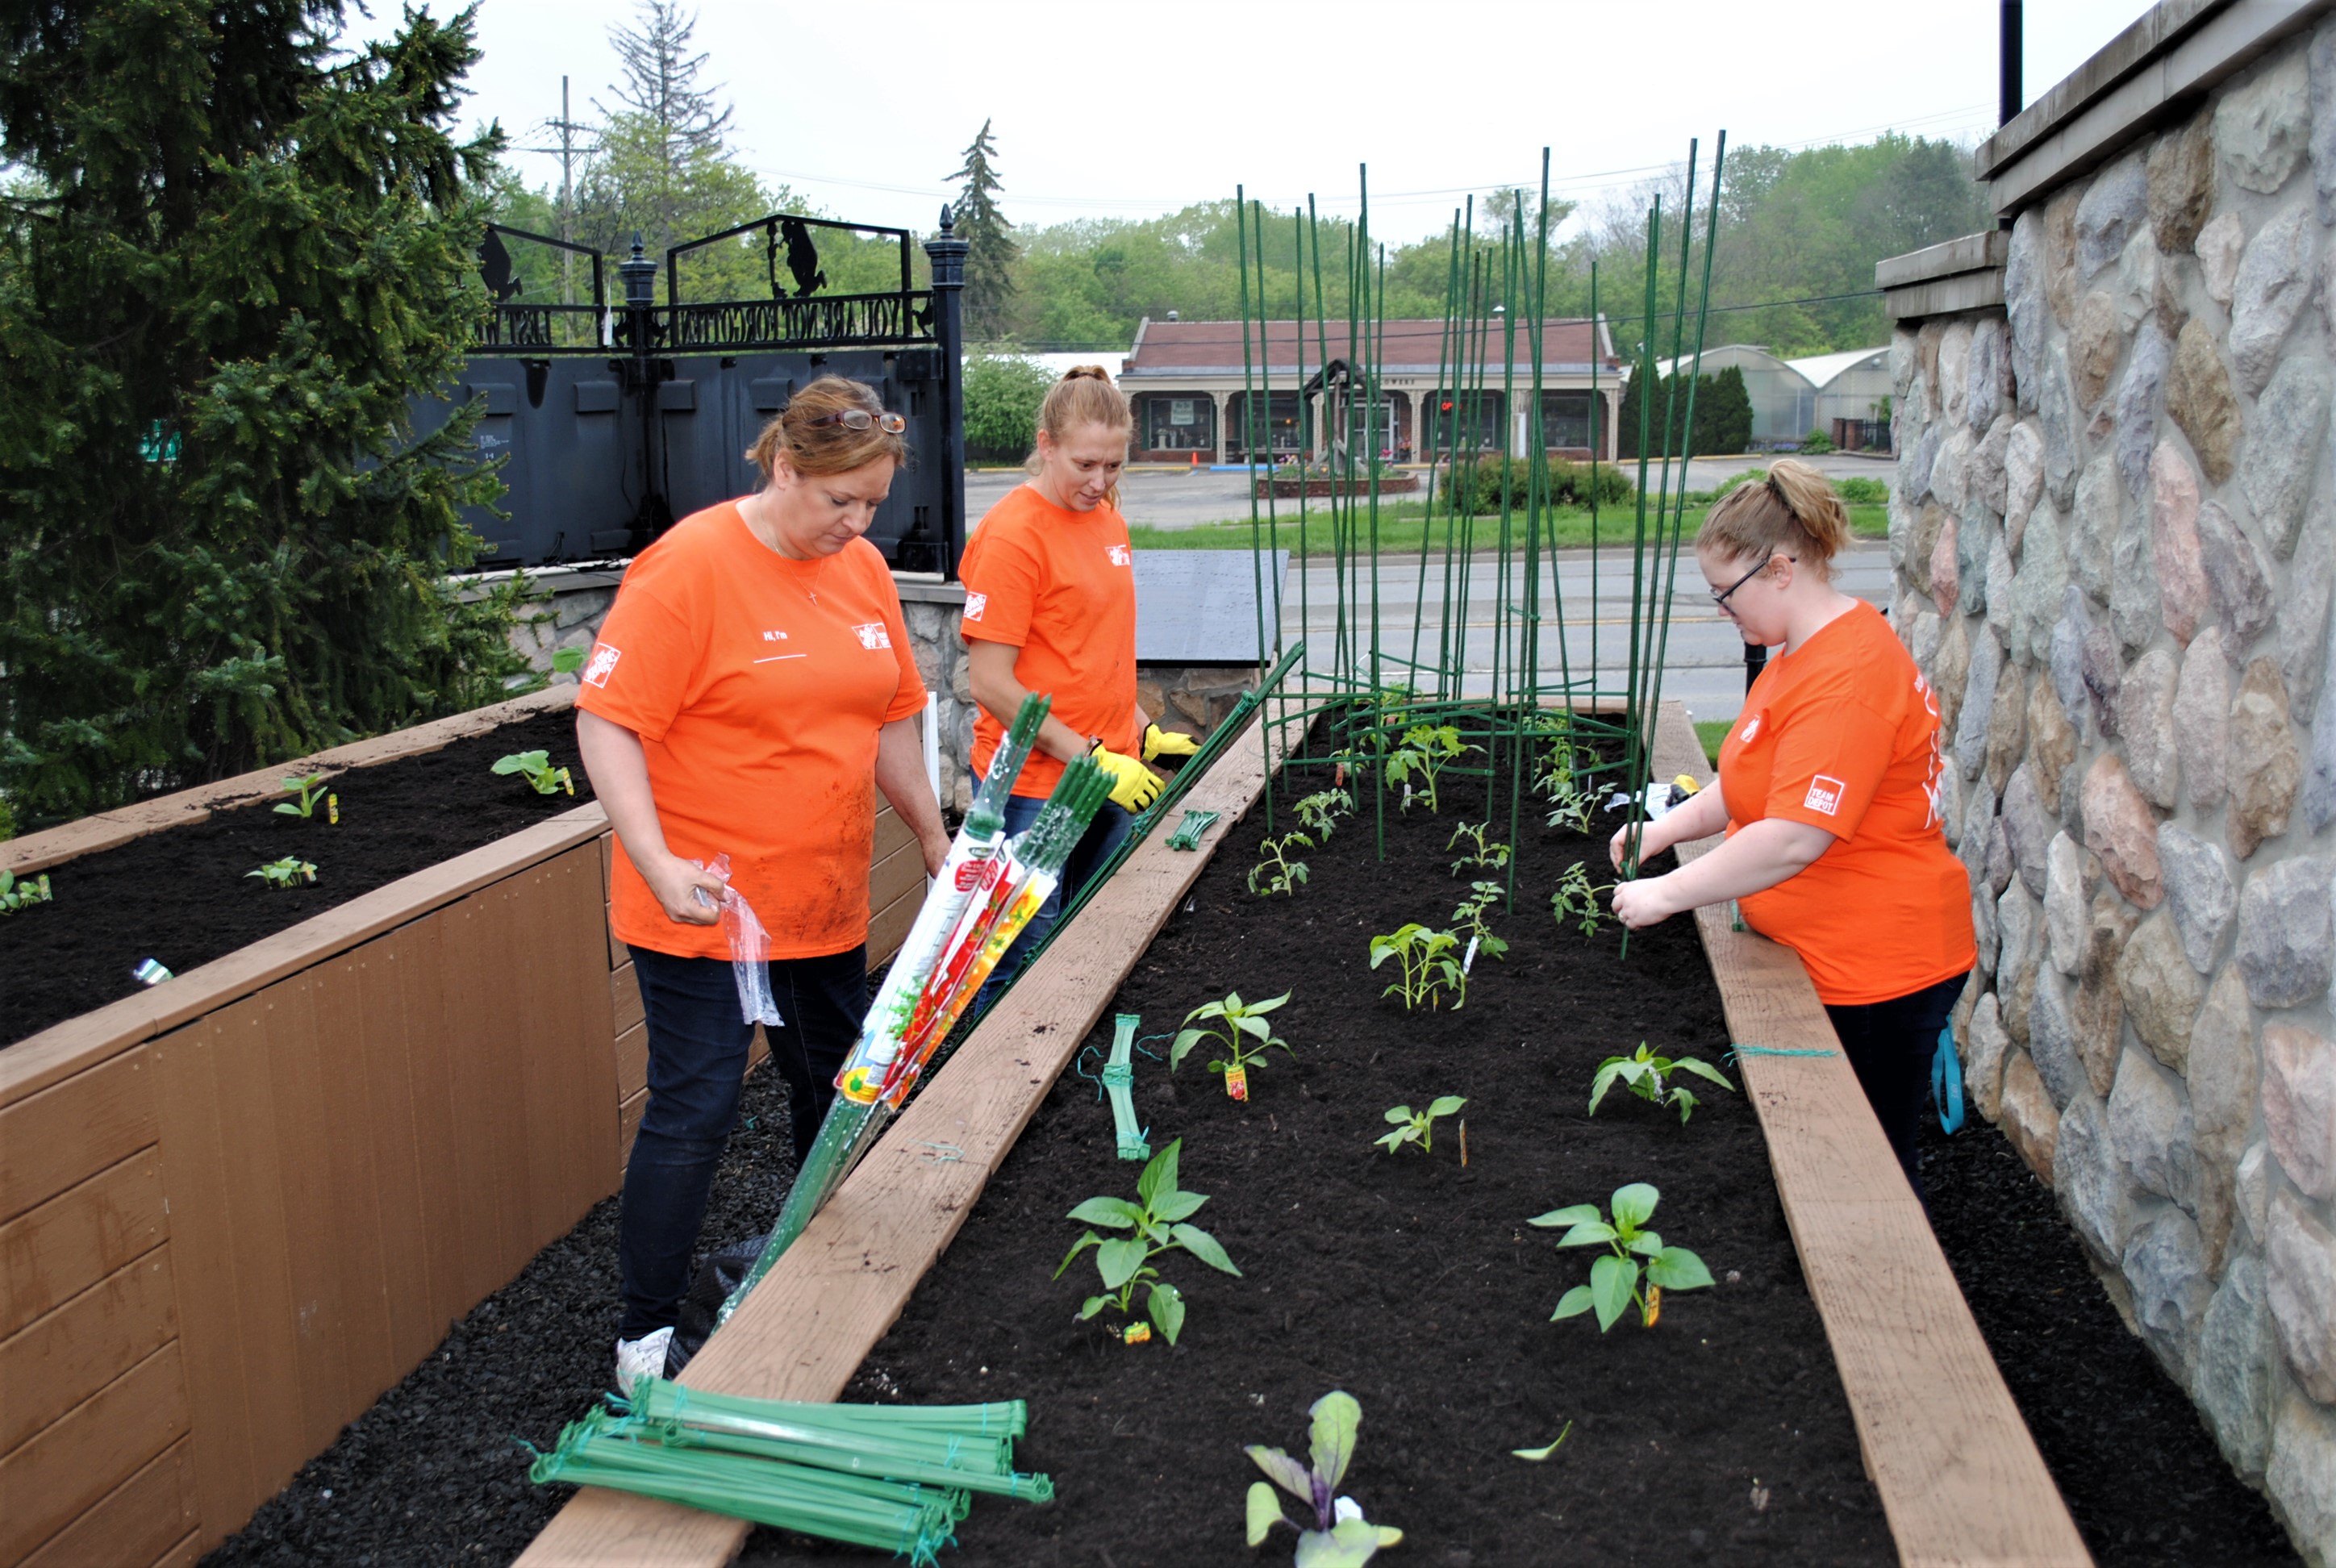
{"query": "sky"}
(1121, 110)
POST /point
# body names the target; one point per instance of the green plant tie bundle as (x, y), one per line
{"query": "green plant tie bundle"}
(1188, 833)
(1119, 1083)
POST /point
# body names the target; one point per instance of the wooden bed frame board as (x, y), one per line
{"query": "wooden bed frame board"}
(814, 1318)
(1959, 1477)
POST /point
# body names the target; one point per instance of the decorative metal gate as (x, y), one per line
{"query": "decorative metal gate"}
(613, 420)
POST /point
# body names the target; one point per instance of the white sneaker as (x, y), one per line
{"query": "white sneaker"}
(643, 1357)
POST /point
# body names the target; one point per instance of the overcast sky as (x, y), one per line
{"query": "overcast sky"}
(1138, 109)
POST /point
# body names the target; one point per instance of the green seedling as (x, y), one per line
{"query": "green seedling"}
(1156, 1224)
(289, 871)
(17, 894)
(1238, 1023)
(1468, 920)
(1541, 1455)
(1649, 1077)
(1577, 900)
(1276, 870)
(1320, 812)
(536, 767)
(1419, 1129)
(1570, 805)
(1481, 855)
(1428, 966)
(1333, 1541)
(311, 790)
(1614, 1277)
(1425, 752)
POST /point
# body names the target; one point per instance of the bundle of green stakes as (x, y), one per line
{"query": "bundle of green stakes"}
(893, 1476)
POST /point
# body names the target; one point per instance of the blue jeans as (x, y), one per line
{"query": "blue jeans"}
(1101, 841)
(697, 1064)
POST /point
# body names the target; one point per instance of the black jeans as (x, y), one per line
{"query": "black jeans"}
(697, 1063)
(1102, 840)
(1890, 1044)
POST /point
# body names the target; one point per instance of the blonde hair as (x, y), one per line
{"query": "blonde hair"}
(1793, 512)
(811, 448)
(1084, 396)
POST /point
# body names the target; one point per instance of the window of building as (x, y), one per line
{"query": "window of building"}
(1472, 421)
(1173, 422)
(1277, 414)
(1565, 419)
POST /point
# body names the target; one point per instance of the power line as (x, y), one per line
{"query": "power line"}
(568, 150)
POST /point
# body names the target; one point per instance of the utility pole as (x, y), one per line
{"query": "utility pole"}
(572, 147)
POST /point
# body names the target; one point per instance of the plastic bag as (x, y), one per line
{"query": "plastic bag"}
(750, 947)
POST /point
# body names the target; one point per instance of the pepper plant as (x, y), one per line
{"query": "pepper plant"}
(1425, 752)
(310, 790)
(1418, 1128)
(1481, 855)
(1614, 1279)
(1236, 1024)
(1341, 1537)
(1155, 1225)
(1577, 900)
(541, 777)
(289, 871)
(1427, 967)
(16, 895)
(1649, 1077)
(1280, 873)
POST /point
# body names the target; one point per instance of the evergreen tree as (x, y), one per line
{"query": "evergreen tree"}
(237, 254)
(992, 256)
(1723, 414)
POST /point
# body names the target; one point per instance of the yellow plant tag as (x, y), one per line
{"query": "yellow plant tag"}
(1236, 1083)
(1654, 1305)
(333, 810)
(1136, 1334)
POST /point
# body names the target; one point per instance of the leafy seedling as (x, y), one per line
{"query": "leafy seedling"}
(1577, 900)
(1237, 1024)
(536, 767)
(1425, 752)
(15, 895)
(1614, 1279)
(1428, 966)
(1320, 812)
(311, 790)
(1419, 1129)
(1341, 1537)
(289, 871)
(568, 660)
(1468, 920)
(1155, 1223)
(1481, 855)
(1538, 1456)
(1649, 1077)
(1278, 873)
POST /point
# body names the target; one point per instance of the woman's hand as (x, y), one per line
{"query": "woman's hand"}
(1644, 903)
(1620, 845)
(677, 883)
(935, 847)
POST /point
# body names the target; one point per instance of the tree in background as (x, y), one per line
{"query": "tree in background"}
(239, 250)
(1002, 395)
(992, 256)
(1723, 414)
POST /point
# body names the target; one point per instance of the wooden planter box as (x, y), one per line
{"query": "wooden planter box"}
(237, 1208)
(1289, 489)
(1959, 1477)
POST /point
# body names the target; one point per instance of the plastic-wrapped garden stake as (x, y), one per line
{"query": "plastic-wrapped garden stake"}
(750, 948)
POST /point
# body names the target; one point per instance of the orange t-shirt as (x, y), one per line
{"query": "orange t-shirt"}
(757, 684)
(1843, 733)
(1060, 586)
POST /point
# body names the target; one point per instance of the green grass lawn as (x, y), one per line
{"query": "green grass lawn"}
(1403, 523)
(1712, 732)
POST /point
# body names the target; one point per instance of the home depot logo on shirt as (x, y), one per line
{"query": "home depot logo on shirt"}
(872, 634)
(975, 603)
(1752, 727)
(1120, 555)
(604, 661)
(1825, 794)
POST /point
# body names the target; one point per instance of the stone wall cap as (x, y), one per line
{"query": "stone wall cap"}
(1971, 253)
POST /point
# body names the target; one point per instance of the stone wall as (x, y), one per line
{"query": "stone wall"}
(2115, 535)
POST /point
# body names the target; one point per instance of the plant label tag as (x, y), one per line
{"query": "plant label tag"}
(1236, 1083)
(1469, 957)
(1654, 1305)
(333, 809)
(1136, 1334)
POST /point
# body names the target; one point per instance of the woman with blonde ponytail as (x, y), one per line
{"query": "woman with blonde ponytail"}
(1828, 792)
(1050, 607)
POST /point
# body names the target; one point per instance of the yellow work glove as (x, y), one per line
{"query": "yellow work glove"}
(1133, 786)
(1159, 742)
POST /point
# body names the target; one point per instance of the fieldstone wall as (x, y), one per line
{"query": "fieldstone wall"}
(2115, 534)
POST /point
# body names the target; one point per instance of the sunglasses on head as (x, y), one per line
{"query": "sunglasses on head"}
(861, 419)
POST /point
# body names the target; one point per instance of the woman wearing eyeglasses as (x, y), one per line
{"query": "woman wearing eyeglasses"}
(1829, 794)
(751, 689)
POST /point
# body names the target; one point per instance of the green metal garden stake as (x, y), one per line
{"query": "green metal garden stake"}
(1118, 1082)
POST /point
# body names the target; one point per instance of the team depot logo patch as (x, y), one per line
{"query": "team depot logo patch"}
(1120, 555)
(1751, 728)
(603, 662)
(975, 603)
(872, 634)
(1825, 794)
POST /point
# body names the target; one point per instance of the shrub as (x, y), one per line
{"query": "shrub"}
(1862, 491)
(1477, 487)
(1002, 395)
(1816, 441)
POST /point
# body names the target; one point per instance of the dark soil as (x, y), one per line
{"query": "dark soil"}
(2139, 1471)
(181, 896)
(1721, 1435)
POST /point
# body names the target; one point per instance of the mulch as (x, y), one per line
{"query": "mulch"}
(182, 896)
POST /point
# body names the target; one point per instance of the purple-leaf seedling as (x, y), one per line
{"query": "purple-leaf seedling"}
(1614, 1279)
(289, 871)
(1341, 1537)
(310, 790)
(541, 777)
(1155, 1223)
(1421, 1128)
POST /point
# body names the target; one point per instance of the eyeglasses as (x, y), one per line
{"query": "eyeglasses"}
(861, 419)
(1719, 600)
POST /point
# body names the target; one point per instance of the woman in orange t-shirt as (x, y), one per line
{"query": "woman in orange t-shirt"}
(1050, 607)
(1829, 793)
(751, 688)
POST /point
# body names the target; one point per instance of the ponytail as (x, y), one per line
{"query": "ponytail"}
(1793, 511)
